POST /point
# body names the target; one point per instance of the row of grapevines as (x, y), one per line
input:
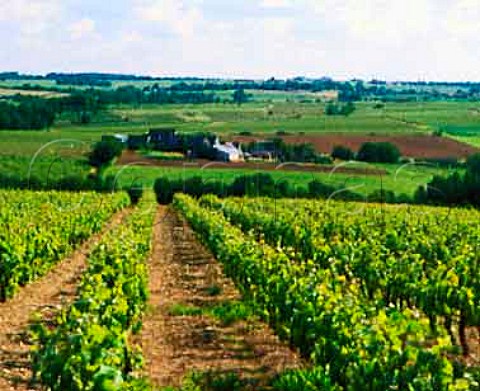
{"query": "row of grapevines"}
(424, 258)
(38, 229)
(88, 349)
(355, 344)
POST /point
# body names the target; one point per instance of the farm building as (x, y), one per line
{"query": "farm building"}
(136, 141)
(264, 150)
(164, 139)
(227, 152)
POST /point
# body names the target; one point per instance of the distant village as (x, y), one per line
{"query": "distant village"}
(200, 145)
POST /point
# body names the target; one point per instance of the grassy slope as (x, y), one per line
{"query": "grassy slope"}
(74, 140)
(460, 120)
(221, 118)
(399, 179)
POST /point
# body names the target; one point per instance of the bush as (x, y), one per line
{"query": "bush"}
(382, 152)
(164, 190)
(382, 196)
(320, 189)
(342, 153)
(103, 153)
(454, 189)
(446, 162)
(323, 159)
(135, 194)
(259, 184)
(473, 164)
(283, 189)
(193, 186)
(339, 109)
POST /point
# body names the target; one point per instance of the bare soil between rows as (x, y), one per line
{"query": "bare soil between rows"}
(181, 272)
(45, 297)
(421, 146)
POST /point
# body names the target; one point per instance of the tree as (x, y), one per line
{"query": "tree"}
(342, 153)
(473, 164)
(239, 96)
(378, 153)
(103, 154)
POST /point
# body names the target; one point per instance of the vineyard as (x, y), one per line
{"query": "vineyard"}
(39, 229)
(88, 346)
(374, 297)
(306, 294)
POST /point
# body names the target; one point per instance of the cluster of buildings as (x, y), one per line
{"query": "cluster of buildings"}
(197, 145)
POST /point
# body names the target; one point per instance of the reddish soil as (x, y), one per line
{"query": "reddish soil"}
(133, 158)
(181, 271)
(417, 146)
(46, 297)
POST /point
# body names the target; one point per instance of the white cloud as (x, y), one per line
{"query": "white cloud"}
(394, 39)
(383, 22)
(29, 10)
(132, 37)
(276, 3)
(181, 18)
(278, 27)
(82, 28)
(31, 16)
(463, 19)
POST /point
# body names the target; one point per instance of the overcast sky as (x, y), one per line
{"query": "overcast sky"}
(385, 39)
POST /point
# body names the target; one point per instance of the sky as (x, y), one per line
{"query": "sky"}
(343, 39)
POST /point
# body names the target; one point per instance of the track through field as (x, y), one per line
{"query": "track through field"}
(183, 274)
(45, 297)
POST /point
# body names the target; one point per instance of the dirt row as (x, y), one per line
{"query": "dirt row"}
(183, 273)
(45, 296)
(415, 145)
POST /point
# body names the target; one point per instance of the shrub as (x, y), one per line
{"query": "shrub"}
(193, 186)
(282, 189)
(103, 154)
(342, 153)
(320, 189)
(382, 196)
(339, 109)
(446, 162)
(259, 184)
(382, 152)
(164, 190)
(323, 159)
(135, 194)
(455, 189)
(473, 164)
(256, 185)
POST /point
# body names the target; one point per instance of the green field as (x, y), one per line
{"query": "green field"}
(399, 179)
(460, 120)
(220, 118)
(66, 141)
(456, 118)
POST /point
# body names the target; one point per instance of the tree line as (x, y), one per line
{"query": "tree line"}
(27, 113)
(350, 90)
